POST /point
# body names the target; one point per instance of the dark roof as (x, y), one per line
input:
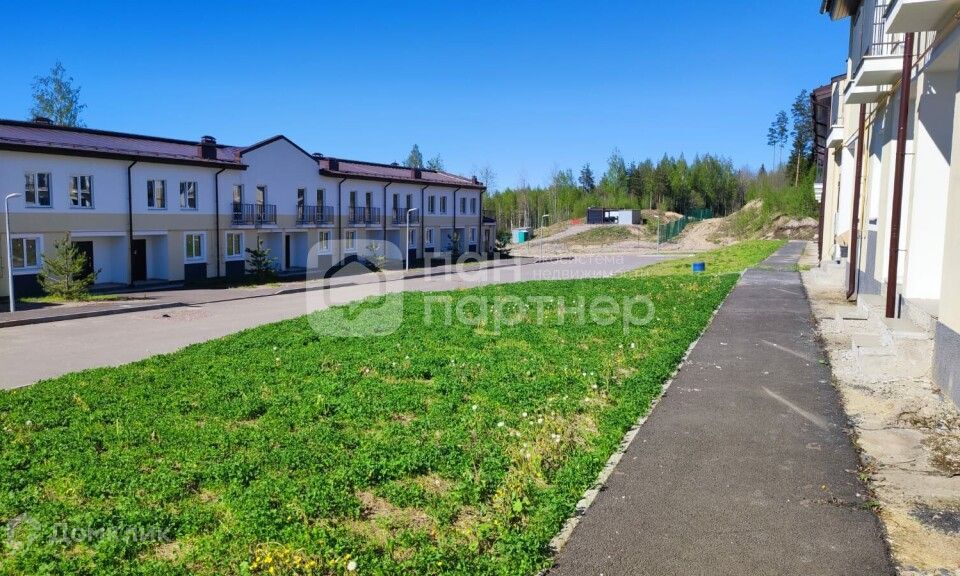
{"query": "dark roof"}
(839, 9)
(53, 139)
(359, 170)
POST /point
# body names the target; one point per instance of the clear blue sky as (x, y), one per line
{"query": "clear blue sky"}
(525, 87)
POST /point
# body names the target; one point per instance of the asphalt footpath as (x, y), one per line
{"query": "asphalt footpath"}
(745, 466)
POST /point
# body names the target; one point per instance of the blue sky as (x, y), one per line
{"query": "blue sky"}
(525, 87)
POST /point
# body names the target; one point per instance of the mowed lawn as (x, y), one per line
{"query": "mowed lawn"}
(438, 449)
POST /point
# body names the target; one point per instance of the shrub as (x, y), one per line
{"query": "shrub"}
(260, 264)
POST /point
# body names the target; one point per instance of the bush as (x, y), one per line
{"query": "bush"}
(64, 273)
(260, 265)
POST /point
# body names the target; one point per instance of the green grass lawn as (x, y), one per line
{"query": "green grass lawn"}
(731, 259)
(435, 450)
(88, 298)
(609, 234)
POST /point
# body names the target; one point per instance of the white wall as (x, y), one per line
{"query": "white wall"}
(282, 168)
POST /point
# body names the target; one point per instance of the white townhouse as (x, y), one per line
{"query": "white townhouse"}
(155, 210)
(891, 195)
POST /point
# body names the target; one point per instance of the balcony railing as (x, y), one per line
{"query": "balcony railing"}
(317, 215)
(869, 38)
(363, 215)
(400, 216)
(254, 214)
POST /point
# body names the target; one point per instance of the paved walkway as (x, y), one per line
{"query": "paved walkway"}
(744, 466)
(30, 353)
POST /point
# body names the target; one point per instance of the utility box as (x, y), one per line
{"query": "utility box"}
(521, 235)
(596, 215)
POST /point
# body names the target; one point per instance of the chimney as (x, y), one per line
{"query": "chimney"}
(416, 173)
(334, 164)
(208, 148)
(41, 120)
(475, 181)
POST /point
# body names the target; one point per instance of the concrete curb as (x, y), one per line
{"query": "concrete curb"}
(80, 313)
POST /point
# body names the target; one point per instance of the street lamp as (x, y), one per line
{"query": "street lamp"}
(657, 216)
(6, 218)
(542, 226)
(407, 247)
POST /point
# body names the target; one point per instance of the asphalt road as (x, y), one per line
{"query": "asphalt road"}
(40, 351)
(744, 467)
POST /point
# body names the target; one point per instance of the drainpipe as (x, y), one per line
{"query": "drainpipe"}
(423, 224)
(216, 210)
(130, 219)
(855, 223)
(480, 224)
(340, 216)
(455, 215)
(385, 186)
(898, 173)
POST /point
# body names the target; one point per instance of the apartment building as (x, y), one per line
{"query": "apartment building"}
(891, 201)
(148, 209)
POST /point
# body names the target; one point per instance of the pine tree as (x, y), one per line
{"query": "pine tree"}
(803, 134)
(587, 183)
(64, 273)
(54, 97)
(260, 264)
(415, 158)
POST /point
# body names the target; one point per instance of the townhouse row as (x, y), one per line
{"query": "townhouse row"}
(147, 209)
(889, 138)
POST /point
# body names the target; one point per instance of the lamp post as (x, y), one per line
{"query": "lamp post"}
(542, 225)
(6, 218)
(407, 247)
(658, 232)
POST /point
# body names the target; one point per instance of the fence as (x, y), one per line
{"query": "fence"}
(671, 230)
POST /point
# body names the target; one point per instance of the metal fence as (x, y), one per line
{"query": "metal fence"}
(671, 230)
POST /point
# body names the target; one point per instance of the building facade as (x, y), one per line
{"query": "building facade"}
(147, 209)
(891, 201)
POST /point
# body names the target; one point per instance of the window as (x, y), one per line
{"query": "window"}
(353, 200)
(369, 199)
(261, 195)
(413, 238)
(431, 204)
(36, 191)
(443, 204)
(463, 205)
(301, 197)
(429, 236)
(409, 201)
(473, 205)
(323, 246)
(321, 197)
(157, 194)
(238, 193)
(396, 202)
(81, 191)
(234, 246)
(26, 252)
(351, 241)
(195, 247)
(188, 195)
(473, 234)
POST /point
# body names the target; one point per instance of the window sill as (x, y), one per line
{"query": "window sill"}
(81, 207)
(194, 261)
(156, 209)
(27, 271)
(38, 206)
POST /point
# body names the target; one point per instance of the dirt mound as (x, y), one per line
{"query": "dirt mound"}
(793, 228)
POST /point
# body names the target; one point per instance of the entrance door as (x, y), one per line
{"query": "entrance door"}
(138, 262)
(286, 251)
(86, 248)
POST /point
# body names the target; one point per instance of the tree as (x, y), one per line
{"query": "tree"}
(777, 136)
(587, 183)
(65, 273)
(435, 163)
(487, 177)
(803, 134)
(415, 158)
(260, 264)
(614, 181)
(55, 97)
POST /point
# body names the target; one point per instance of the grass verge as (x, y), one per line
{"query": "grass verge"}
(438, 449)
(89, 298)
(609, 234)
(731, 259)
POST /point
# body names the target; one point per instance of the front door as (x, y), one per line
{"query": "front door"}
(286, 251)
(86, 248)
(138, 261)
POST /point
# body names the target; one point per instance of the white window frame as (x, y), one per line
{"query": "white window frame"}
(443, 204)
(237, 198)
(75, 186)
(202, 258)
(350, 241)
(34, 178)
(153, 182)
(431, 204)
(323, 243)
(27, 269)
(185, 198)
(428, 241)
(227, 255)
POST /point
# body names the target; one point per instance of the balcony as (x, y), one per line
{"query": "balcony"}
(489, 217)
(876, 57)
(400, 216)
(363, 215)
(315, 215)
(919, 15)
(254, 214)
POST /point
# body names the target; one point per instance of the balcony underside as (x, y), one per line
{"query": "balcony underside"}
(878, 70)
(835, 136)
(863, 94)
(920, 15)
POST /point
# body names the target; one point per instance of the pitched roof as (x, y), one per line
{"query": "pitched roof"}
(360, 170)
(50, 138)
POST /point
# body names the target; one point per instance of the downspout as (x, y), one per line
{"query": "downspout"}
(480, 225)
(455, 216)
(385, 186)
(130, 219)
(340, 217)
(423, 224)
(216, 197)
(898, 174)
(855, 223)
(823, 202)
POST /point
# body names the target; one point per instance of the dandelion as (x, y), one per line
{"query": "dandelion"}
(594, 386)
(351, 566)
(633, 345)
(539, 420)
(524, 415)
(274, 348)
(474, 407)
(500, 424)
